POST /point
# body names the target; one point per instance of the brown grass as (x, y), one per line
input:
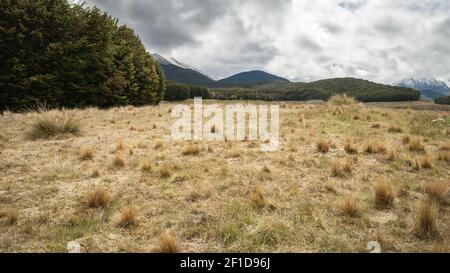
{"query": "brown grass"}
(128, 217)
(426, 219)
(146, 165)
(384, 194)
(376, 126)
(191, 149)
(119, 160)
(257, 197)
(438, 190)
(395, 129)
(426, 163)
(445, 147)
(159, 145)
(406, 140)
(444, 156)
(167, 243)
(342, 168)
(86, 154)
(235, 153)
(350, 207)
(415, 145)
(165, 171)
(375, 148)
(323, 146)
(350, 148)
(49, 125)
(12, 216)
(99, 198)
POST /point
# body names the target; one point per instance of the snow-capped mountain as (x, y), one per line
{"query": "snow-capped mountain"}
(172, 61)
(429, 87)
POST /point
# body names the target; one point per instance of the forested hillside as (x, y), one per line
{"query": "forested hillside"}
(73, 56)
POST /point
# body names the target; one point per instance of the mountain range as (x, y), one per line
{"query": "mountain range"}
(179, 72)
(429, 88)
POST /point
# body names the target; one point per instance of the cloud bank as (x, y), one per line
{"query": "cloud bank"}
(380, 40)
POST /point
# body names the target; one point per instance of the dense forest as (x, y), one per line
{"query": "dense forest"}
(443, 100)
(179, 92)
(71, 55)
(362, 90)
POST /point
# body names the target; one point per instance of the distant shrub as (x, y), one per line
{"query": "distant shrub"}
(444, 100)
(177, 92)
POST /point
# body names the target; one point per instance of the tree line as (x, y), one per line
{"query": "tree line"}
(70, 55)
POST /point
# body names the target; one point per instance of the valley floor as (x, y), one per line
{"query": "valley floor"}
(316, 194)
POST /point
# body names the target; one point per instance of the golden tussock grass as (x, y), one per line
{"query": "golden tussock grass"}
(167, 243)
(235, 153)
(445, 147)
(11, 216)
(395, 129)
(350, 148)
(128, 217)
(119, 160)
(444, 156)
(342, 100)
(350, 207)
(257, 197)
(406, 140)
(426, 162)
(342, 168)
(438, 190)
(99, 198)
(95, 173)
(52, 124)
(159, 145)
(165, 170)
(415, 145)
(86, 153)
(376, 126)
(331, 186)
(323, 146)
(146, 165)
(375, 148)
(384, 194)
(192, 149)
(426, 218)
(120, 146)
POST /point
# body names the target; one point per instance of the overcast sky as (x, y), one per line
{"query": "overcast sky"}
(380, 40)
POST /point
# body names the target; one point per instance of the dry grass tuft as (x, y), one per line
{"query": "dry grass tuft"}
(167, 243)
(257, 197)
(146, 165)
(159, 145)
(395, 129)
(86, 154)
(376, 126)
(99, 198)
(350, 148)
(342, 168)
(128, 217)
(119, 160)
(165, 171)
(426, 163)
(341, 100)
(235, 153)
(50, 124)
(120, 146)
(415, 145)
(323, 146)
(95, 173)
(350, 207)
(438, 191)
(384, 194)
(406, 140)
(426, 219)
(331, 186)
(12, 216)
(377, 148)
(445, 147)
(444, 156)
(191, 149)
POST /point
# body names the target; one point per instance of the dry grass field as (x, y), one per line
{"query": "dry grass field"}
(114, 181)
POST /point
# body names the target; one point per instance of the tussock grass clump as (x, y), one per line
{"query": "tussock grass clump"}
(99, 198)
(350, 207)
(375, 148)
(167, 243)
(438, 191)
(119, 160)
(128, 217)
(393, 156)
(191, 149)
(159, 145)
(323, 146)
(342, 168)
(415, 145)
(95, 173)
(384, 194)
(330, 186)
(406, 140)
(257, 197)
(86, 154)
(12, 216)
(426, 163)
(376, 126)
(426, 218)
(165, 171)
(235, 153)
(445, 147)
(146, 165)
(51, 124)
(395, 129)
(444, 156)
(350, 148)
(341, 100)
(120, 146)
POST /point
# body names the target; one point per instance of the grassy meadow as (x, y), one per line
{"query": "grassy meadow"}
(114, 181)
